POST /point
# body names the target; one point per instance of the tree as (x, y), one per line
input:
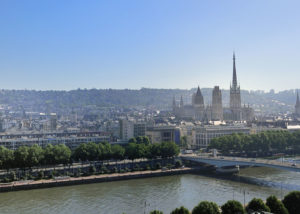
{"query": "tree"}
(6, 158)
(62, 154)
(146, 140)
(233, 207)
(49, 155)
(132, 151)
(206, 207)
(35, 155)
(93, 151)
(105, 150)
(169, 149)
(118, 152)
(81, 152)
(21, 157)
(132, 140)
(256, 204)
(292, 202)
(181, 210)
(156, 212)
(276, 206)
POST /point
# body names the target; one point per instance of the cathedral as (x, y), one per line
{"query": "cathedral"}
(215, 112)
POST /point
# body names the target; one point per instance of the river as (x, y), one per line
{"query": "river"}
(137, 196)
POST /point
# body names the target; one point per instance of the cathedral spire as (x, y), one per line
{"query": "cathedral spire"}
(234, 79)
(181, 101)
(198, 91)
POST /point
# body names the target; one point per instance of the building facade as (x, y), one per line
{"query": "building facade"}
(203, 135)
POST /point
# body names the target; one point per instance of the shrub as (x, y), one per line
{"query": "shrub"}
(292, 202)
(276, 206)
(156, 212)
(178, 163)
(158, 166)
(233, 207)
(92, 169)
(181, 210)
(5, 180)
(114, 170)
(256, 204)
(147, 167)
(12, 176)
(206, 207)
(169, 166)
(41, 174)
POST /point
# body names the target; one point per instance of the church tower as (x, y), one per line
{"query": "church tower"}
(198, 99)
(198, 104)
(235, 96)
(297, 106)
(217, 109)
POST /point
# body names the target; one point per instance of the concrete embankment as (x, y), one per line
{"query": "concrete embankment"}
(27, 185)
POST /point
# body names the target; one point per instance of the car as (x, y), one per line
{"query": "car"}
(294, 164)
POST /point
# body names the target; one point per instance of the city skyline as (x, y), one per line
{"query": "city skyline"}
(171, 44)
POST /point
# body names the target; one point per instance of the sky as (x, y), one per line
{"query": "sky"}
(70, 44)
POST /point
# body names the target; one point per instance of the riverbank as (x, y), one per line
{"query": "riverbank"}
(68, 181)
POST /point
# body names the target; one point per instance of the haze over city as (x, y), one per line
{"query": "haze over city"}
(65, 45)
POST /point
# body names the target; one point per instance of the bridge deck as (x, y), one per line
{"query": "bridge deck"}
(231, 161)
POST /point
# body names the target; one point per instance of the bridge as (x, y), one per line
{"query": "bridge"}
(233, 161)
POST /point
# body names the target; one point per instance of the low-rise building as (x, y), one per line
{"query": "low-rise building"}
(203, 135)
(158, 134)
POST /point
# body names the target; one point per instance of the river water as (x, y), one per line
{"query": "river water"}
(143, 195)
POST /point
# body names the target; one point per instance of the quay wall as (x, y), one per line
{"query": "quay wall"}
(16, 186)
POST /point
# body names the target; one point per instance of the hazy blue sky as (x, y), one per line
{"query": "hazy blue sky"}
(149, 43)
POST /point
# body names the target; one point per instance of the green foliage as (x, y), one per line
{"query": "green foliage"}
(21, 156)
(169, 149)
(276, 206)
(35, 155)
(178, 163)
(181, 210)
(156, 212)
(292, 202)
(256, 204)
(233, 207)
(206, 207)
(12, 176)
(6, 158)
(158, 166)
(118, 152)
(260, 144)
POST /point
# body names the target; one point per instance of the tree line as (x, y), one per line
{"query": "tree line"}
(261, 144)
(289, 205)
(30, 156)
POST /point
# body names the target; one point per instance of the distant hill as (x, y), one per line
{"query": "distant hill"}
(61, 101)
